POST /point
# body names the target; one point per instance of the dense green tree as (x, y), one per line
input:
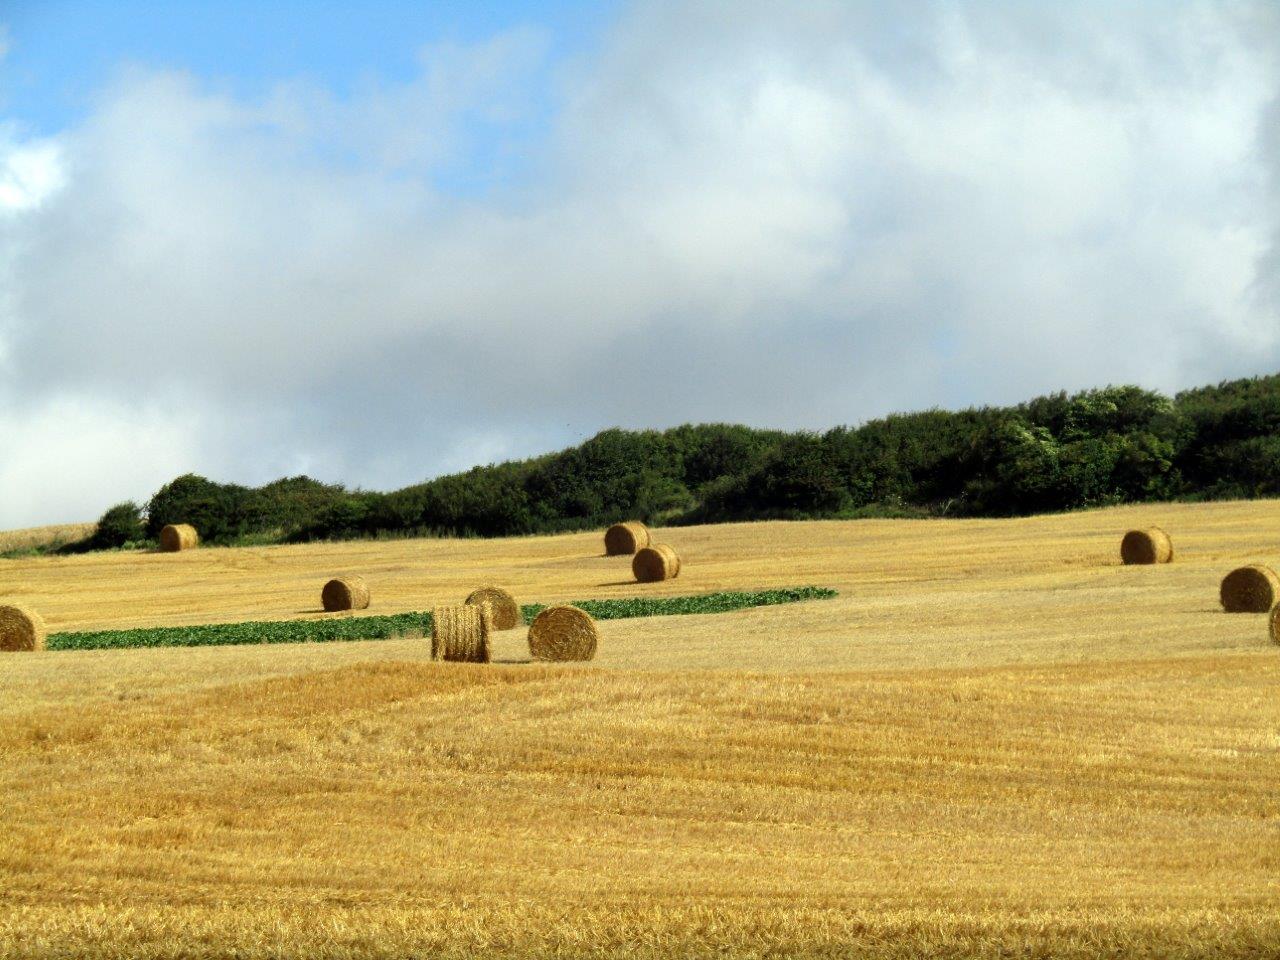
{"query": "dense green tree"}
(1058, 452)
(217, 510)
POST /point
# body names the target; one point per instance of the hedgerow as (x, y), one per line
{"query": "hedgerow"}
(1119, 444)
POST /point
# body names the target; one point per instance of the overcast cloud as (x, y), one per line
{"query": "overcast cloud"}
(795, 218)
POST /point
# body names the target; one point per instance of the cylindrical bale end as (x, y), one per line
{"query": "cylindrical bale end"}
(563, 633)
(1251, 589)
(659, 562)
(502, 606)
(1152, 545)
(345, 593)
(625, 538)
(178, 536)
(21, 629)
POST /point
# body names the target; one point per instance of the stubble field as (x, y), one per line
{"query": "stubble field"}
(995, 741)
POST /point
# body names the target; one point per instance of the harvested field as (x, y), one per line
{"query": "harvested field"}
(996, 737)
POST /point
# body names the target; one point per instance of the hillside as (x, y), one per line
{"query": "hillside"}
(43, 539)
(1096, 448)
(995, 739)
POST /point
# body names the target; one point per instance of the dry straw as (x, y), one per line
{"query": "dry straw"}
(659, 562)
(503, 606)
(345, 593)
(1251, 589)
(179, 536)
(625, 538)
(461, 633)
(563, 633)
(1275, 624)
(1146, 546)
(21, 629)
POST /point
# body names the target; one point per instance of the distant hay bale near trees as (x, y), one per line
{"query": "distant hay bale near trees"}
(345, 593)
(502, 606)
(179, 536)
(21, 629)
(460, 633)
(659, 562)
(1146, 546)
(623, 538)
(563, 633)
(1251, 589)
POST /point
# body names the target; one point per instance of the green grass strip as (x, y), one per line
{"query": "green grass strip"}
(403, 624)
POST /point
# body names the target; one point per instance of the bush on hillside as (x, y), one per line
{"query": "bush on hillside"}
(121, 524)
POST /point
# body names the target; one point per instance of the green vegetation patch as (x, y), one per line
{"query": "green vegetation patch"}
(261, 631)
(721, 602)
(408, 624)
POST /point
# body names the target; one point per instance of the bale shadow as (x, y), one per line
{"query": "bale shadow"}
(618, 583)
(511, 660)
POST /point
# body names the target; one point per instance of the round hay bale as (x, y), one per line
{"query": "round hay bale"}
(563, 633)
(179, 536)
(625, 538)
(503, 606)
(460, 633)
(345, 593)
(1251, 589)
(1146, 546)
(659, 562)
(21, 629)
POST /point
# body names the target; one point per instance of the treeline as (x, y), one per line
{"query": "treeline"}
(1113, 445)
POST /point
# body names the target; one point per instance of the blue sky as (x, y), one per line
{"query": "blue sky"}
(376, 242)
(63, 53)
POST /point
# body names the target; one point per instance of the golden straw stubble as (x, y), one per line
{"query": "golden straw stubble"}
(1251, 589)
(503, 606)
(659, 562)
(563, 633)
(345, 593)
(1152, 545)
(178, 536)
(625, 538)
(460, 633)
(21, 629)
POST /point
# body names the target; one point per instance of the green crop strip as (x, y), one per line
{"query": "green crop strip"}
(677, 606)
(408, 624)
(262, 631)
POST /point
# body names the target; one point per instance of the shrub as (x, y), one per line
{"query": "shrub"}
(121, 524)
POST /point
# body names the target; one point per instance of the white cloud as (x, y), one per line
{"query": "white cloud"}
(30, 172)
(72, 456)
(798, 218)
